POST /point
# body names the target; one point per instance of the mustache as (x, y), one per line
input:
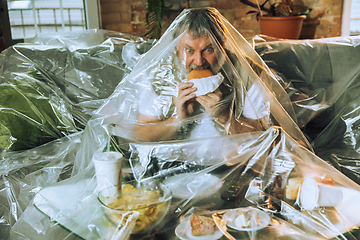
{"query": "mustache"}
(206, 65)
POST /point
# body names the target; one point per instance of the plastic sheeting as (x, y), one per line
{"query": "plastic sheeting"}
(245, 163)
(321, 78)
(51, 86)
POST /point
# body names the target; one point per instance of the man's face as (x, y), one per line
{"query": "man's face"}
(197, 53)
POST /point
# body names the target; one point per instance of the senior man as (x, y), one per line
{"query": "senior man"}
(200, 39)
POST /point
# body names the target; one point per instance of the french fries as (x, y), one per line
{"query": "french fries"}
(146, 202)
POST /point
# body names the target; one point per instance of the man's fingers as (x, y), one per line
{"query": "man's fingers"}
(201, 101)
(186, 90)
(216, 95)
(186, 98)
(210, 97)
(209, 100)
(190, 107)
(184, 85)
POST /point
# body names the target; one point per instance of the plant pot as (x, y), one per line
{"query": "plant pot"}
(282, 27)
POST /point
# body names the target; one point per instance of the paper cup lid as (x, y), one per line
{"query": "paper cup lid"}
(107, 156)
(309, 194)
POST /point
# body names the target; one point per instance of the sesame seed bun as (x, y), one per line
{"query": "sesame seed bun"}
(199, 74)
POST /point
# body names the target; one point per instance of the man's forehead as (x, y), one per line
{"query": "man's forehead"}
(187, 39)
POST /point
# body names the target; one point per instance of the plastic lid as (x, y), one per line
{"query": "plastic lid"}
(107, 156)
(309, 194)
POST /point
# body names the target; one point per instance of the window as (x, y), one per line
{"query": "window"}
(30, 17)
(355, 17)
(351, 18)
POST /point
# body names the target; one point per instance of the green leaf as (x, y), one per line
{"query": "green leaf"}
(154, 16)
(306, 12)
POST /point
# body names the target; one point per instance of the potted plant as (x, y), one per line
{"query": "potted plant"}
(281, 19)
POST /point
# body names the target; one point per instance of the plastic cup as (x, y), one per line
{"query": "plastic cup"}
(108, 170)
(314, 194)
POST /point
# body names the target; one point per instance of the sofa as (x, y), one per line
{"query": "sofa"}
(54, 83)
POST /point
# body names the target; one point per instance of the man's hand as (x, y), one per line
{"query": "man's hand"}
(208, 101)
(185, 101)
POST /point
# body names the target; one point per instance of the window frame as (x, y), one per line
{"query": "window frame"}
(346, 18)
(91, 8)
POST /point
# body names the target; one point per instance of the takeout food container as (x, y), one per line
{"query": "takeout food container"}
(149, 201)
(246, 219)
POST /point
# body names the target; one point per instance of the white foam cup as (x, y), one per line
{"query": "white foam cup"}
(330, 196)
(108, 170)
(314, 194)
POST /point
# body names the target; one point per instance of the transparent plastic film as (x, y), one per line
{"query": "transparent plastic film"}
(288, 192)
(200, 80)
(321, 78)
(51, 85)
(197, 135)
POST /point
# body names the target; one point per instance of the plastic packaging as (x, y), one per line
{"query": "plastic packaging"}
(237, 160)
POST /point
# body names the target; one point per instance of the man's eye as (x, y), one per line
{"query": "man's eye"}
(209, 50)
(189, 50)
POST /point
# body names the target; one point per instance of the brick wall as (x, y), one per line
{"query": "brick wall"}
(128, 16)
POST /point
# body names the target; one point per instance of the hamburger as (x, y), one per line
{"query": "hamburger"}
(199, 74)
(205, 81)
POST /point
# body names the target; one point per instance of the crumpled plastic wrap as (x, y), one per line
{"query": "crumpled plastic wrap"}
(247, 165)
(50, 86)
(321, 78)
